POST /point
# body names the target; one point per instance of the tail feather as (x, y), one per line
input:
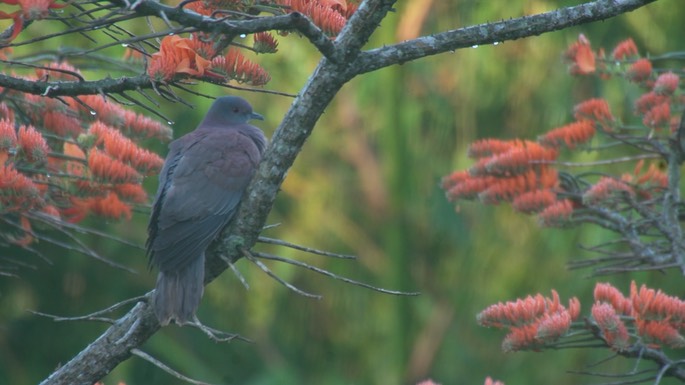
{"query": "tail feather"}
(177, 295)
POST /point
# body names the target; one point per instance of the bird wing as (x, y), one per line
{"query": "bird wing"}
(201, 184)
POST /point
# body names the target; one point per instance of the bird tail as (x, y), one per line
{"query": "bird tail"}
(178, 293)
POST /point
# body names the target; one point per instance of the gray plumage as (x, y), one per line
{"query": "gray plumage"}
(200, 185)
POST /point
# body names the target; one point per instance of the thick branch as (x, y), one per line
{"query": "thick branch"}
(489, 33)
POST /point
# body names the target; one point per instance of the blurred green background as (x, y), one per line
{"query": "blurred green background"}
(367, 183)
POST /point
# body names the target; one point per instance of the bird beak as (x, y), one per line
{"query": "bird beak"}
(257, 116)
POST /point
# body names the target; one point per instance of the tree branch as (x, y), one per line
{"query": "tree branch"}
(493, 32)
(129, 332)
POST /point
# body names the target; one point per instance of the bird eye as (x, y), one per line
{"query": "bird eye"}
(236, 109)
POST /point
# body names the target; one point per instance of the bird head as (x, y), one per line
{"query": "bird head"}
(231, 110)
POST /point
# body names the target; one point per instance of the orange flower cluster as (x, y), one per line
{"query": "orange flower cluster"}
(658, 318)
(179, 56)
(659, 106)
(72, 159)
(536, 322)
(520, 172)
(28, 10)
(329, 15)
(533, 322)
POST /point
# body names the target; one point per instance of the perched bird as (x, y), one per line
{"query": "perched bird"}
(201, 183)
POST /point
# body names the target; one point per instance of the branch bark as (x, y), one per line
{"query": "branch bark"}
(343, 60)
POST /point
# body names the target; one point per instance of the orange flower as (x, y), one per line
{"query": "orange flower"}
(606, 190)
(8, 136)
(640, 71)
(604, 292)
(521, 338)
(580, 56)
(534, 201)
(470, 187)
(613, 329)
(176, 56)
(234, 66)
(30, 10)
(17, 191)
(264, 42)
(660, 333)
(658, 116)
(131, 192)
(594, 109)
(666, 84)
(325, 14)
(487, 147)
(111, 207)
(6, 113)
(648, 100)
(61, 124)
(556, 214)
(571, 135)
(624, 50)
(124, 149)
(144, 127)
(506, 189)
(33, 146)
(520, 159)
(111, 170)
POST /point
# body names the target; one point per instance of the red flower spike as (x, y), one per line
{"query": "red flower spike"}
(506, 189)
(131, 192)
(666, 84)
(234, 66)
(519, 160)
(660, 333)
(570, 135)
(604, 292)
(553, 326)
(613, 329)
(6, 113)
(580, 57)
(658, 116)
(487, 147)
(124, 149)
(111, 170)
(470, 188)
(557, 214)
(111, 207)
(648, 100)
(652, 177)
(651, 305)
(605, 190)
(521, 338)
(325, 16)
(534, 201)
(18, 193)
(8, 136)
(33, 146)
(62, 124)
(625, 50)
(454, 179)
(176, 56)
(574, 308)
(640, 71)
(594, 109)
(144, 127)
(264, 42)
